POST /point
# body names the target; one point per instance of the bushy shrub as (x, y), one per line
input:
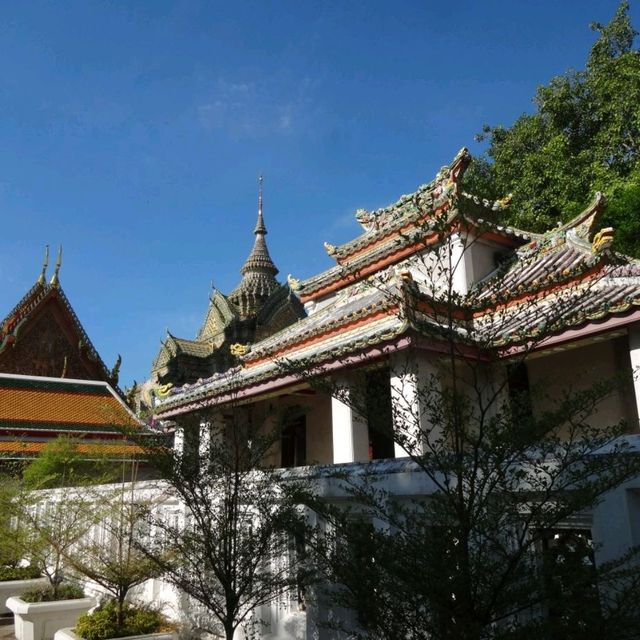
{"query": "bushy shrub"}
(63, 592)
(103, 622)
(18, 573)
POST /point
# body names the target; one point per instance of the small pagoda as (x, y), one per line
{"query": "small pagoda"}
(258, 307)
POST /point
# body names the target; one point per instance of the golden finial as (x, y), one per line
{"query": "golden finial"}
(45, 263)
(55, 280)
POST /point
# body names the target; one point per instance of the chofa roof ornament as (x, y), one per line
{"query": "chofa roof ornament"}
(55, 279)
(42, 279)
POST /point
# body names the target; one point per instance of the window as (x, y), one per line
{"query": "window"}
(379, 414)
(518, 379)
(569, 578)
(293, 443)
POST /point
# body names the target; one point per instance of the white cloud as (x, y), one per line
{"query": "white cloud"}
(255, 109)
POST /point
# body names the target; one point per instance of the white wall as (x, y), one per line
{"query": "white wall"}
(580, 368)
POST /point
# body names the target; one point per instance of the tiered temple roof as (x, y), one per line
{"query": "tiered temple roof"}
(560, 285)
(43, 336)
(258, 307)
(35, 409)
(53, 382)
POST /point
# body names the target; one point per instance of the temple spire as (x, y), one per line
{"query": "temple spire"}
(260, 227)
(259, 260)
(45, 263)
(258, 272)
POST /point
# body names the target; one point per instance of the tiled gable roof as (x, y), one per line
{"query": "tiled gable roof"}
(35, 409)
(32, 302)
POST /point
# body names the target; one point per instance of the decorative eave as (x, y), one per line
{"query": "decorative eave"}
(412, 223)
(241, 383)
(405, 212)
(352, 325)
(426, 199)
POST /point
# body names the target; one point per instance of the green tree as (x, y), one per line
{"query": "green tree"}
(584, 136)
(223, 540)
(61, 464)
(116, 561)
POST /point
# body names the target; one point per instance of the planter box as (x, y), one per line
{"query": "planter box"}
(10, 588)
(68, 634)
(40, 620)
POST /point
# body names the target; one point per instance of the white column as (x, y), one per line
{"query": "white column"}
(461, 263)
(415, 388)
(349, 429)
(634, 355)
(178, 440)
(204, 442)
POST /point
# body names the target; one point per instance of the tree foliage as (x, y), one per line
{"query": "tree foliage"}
(583, 137)
(226, 542)
(114, 560)
(60, 464)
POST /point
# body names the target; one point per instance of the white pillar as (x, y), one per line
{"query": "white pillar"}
(350, 430)
(460, 264)
(415, 388)
(204, 441)
(634, 355)
(178, 440)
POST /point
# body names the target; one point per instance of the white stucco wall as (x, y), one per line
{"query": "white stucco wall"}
(580, 368)
(317, 410)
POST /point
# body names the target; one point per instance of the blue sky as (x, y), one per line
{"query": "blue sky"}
(133, 134)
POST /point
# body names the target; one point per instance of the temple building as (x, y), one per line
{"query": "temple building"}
(258, 307)
(42, 336)
(53, 381)
(432, 270)
(383, 300)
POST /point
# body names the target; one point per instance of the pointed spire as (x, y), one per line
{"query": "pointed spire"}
(260, 227)
(55, 280)
(259, 260)
(258, 272)
(45, 263)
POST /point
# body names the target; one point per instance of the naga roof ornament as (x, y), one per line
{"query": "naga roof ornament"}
(42, 279)
(55, 280)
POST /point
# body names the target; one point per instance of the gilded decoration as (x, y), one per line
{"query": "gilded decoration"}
(602, 240)
(238, 350)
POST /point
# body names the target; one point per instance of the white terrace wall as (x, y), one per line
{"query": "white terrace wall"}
(615, 526)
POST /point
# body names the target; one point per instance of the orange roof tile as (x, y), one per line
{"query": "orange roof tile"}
(54, 406)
